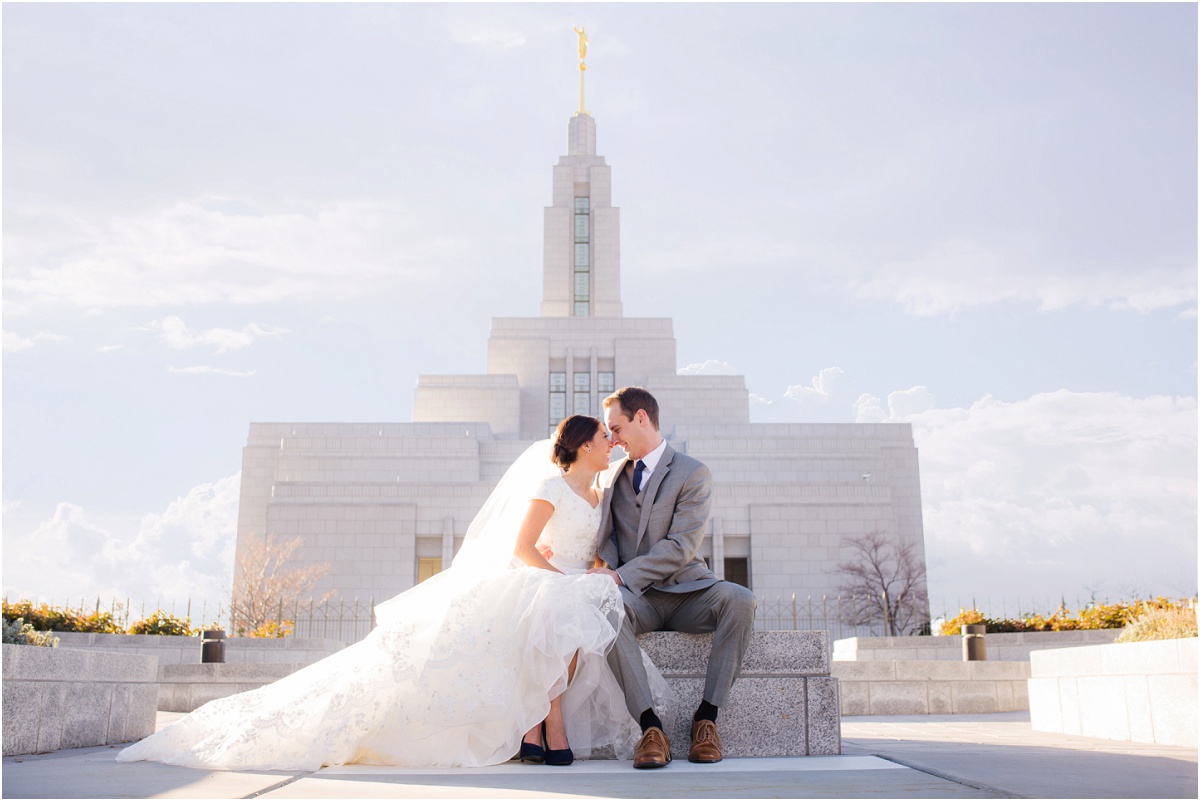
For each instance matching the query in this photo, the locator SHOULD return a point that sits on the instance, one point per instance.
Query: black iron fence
(348, 620)
(805, 613)
(334, 619)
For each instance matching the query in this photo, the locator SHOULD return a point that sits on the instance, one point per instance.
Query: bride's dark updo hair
(571, 435)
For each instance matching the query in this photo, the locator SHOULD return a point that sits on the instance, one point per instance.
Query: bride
(488, 657)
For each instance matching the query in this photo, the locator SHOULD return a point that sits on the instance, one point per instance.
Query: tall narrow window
(558, 398)
(583, 258)
(583, 393)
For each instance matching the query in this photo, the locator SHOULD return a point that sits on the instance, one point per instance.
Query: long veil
(492, 536)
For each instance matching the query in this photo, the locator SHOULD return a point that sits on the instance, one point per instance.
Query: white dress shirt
(651, 461)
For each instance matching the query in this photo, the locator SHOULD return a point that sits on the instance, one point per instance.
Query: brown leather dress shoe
(653, 750)
(706, 745)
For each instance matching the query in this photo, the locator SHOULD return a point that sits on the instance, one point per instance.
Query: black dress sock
(706, 712)
(649, 719)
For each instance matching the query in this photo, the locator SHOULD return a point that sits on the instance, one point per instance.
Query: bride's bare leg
(556, 728)
(534, 735)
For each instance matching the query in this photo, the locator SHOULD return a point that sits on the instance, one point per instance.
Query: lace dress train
(458, 669)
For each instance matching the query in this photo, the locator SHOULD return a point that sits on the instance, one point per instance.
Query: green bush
(1161, 624)
(162, 623)
(18, 632)
(50, 618)
(1096, 616)
(277, 629)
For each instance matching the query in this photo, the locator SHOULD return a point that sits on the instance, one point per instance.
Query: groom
(656, 505)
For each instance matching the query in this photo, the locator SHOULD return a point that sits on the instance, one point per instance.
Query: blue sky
(978, 219)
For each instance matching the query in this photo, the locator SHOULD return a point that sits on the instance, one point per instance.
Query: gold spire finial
(583, 43)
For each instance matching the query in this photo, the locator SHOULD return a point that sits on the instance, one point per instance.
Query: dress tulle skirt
(458, 669)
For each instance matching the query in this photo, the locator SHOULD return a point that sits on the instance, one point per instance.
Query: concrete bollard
(212, 647)
(974, 644)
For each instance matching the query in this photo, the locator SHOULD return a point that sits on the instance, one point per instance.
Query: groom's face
(629, 435)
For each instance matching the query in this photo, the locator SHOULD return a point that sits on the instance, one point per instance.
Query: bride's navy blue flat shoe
(563, 756)
(532, 753)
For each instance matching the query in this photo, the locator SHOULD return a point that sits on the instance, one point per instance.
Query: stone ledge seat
(783, 703)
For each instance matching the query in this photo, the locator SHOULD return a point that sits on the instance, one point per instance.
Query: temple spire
(583, 43)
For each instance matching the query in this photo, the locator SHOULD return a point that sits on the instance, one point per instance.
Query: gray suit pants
(725, 608)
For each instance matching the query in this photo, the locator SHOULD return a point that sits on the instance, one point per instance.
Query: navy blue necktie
(637, 475)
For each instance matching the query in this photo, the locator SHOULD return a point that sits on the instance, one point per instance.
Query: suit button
(639, 504)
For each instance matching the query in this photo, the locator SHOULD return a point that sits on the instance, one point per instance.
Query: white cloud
(15, 343)
(174, 333)
(905, 403)
(709, 367)
(829, 383)
(1056, 493)
(959, 273)
(827, 398)
(206, 370)
(109, 348)
(867, 409)
(209, 250)
(186, 551)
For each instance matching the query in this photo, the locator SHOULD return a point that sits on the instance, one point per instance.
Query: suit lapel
(651, 492)
(608, 481)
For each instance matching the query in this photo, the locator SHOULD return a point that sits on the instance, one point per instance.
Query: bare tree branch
(886, 582)
(264, 588)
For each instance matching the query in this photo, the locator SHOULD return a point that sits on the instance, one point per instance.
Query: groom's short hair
(632, 399)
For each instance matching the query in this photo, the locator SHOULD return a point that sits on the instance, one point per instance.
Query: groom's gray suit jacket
(663, 552)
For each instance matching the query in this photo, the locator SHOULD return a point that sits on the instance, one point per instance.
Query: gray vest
(626, 514)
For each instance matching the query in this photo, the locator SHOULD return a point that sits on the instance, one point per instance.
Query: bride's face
(601, 447)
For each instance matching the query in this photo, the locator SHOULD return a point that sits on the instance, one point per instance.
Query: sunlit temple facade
(387, 504)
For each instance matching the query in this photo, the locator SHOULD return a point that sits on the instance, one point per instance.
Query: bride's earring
(589, 448)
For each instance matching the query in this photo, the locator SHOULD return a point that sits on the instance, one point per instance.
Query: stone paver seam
(280, 784)
(807, 715)
(950, 778)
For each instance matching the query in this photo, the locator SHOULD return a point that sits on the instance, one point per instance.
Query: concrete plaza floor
(903, 756)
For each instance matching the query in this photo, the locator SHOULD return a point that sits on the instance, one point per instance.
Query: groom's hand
(605, 571)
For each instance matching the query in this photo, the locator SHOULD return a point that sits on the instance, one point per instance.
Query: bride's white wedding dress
(457, 669)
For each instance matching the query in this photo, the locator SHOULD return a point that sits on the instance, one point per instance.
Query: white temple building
(387, 504)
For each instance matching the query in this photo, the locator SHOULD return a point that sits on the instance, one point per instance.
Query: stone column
(594, 386)
(447, 542)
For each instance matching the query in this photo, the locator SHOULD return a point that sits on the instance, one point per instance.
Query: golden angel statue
(583, 41)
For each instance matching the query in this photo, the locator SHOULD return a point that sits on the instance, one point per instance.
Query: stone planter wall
(61, 698)
(172, 650)
(1139, 691)
(931, 687)
(784, 702)
(1000, 647)
(183, 688)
